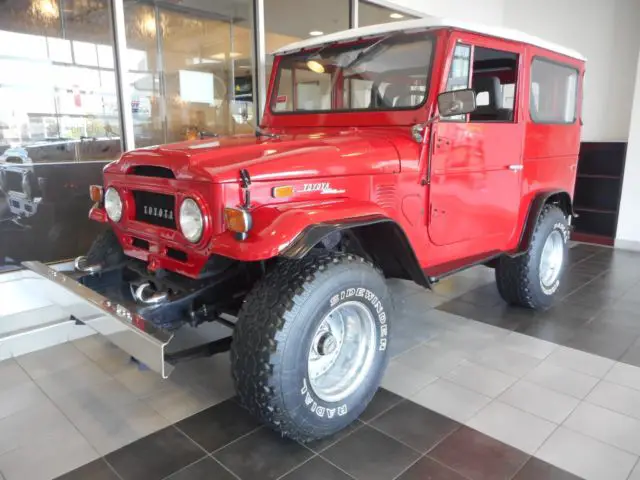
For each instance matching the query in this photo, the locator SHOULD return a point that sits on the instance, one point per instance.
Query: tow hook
(81, 264)
(146, 294)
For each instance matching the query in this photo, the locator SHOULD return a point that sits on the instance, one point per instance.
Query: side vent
(151, 171)
(385, 196)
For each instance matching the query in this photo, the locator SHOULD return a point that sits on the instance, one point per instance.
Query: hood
(349, 152)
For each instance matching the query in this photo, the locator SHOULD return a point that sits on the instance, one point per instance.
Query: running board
(126, 329)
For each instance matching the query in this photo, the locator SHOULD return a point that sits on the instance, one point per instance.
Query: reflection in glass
(370, 14)
(320, 18)
(184, 66)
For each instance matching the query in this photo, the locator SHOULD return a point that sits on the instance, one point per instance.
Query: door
(475, 178)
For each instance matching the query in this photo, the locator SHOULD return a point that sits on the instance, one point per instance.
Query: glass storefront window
(371, 14)
(317, 18)
(59, 124)
(184, 67)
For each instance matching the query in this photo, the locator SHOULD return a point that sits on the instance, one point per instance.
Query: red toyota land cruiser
(408, 150)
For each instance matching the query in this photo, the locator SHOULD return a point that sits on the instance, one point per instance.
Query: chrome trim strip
(126, 329)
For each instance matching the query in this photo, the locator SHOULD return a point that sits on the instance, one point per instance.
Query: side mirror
(456, 102)
(241, 112)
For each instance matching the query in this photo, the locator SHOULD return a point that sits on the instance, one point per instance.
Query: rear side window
(554, 91)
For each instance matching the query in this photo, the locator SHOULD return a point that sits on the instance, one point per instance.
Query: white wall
(607, 33)
(629, 218)
(489, 12)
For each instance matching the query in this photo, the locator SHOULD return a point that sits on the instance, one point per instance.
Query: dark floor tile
(567, 314)
(536, 469)
(96, 470)
(612, 344)
(219, 425)
(368, 454)
(428, 469)
(478, 456)
(317, 469)
(205, 469)
(548, 330)
(484, 296)
(632, 355)
(320, 445)
(383, 400)
(619, 318)
(262, 455)
(156, 456)
(415, 425)
(588, 299)
(500, 315)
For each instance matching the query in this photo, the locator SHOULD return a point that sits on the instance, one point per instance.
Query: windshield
(390, 73)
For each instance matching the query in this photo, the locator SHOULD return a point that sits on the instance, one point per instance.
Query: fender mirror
(456, 102)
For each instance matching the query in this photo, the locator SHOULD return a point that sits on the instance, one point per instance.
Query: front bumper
(119, 323)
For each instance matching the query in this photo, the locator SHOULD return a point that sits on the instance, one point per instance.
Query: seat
(492, 111)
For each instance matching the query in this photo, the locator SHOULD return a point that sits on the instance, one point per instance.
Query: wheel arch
(561, 198)
(369, 237)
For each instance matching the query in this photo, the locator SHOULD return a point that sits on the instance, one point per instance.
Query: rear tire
(309, 347)
(532, 279)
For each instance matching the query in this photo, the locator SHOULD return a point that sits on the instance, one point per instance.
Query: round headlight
(191, 220)
(113, 204)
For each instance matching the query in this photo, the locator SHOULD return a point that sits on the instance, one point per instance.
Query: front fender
(290, 230)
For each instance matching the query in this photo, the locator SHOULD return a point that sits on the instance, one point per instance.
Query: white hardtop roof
(429, 23)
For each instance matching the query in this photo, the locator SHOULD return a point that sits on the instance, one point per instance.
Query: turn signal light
(95, 193)
(237, 219)
(282, 192)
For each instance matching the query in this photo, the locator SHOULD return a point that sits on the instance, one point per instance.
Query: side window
(554, 91)
(495, 77)
(459, 74)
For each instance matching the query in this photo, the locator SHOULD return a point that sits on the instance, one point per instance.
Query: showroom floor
(475, 390)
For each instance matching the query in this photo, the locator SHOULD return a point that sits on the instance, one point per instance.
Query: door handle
(516, 168)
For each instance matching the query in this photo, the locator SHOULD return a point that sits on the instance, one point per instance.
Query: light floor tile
(41, 421)
(585, 456)
(616, 397)
(20, 397)
(108, 429)
(534, 347)
(436, 361)
(480, 379)
(12, 374)
(562, 380)
(583, 362)
(540, 401)
(53, 359)
(624, 374)
(451, 400)
(405, 381)
(506, 360)
(68, 380)
(176, 404)
(607, 426)
(635, 474)
(512, 426)
(47, 458)
(140, 381)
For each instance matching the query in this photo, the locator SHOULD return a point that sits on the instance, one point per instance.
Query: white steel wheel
(551, 259)
(342, 351)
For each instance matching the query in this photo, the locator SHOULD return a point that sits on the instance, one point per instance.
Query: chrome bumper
(124, 328)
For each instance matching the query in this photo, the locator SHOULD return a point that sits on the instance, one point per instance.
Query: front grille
(155, 208)
(151, 171)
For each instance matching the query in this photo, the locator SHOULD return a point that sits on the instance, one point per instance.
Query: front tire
(531, 280)
(309, 347)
